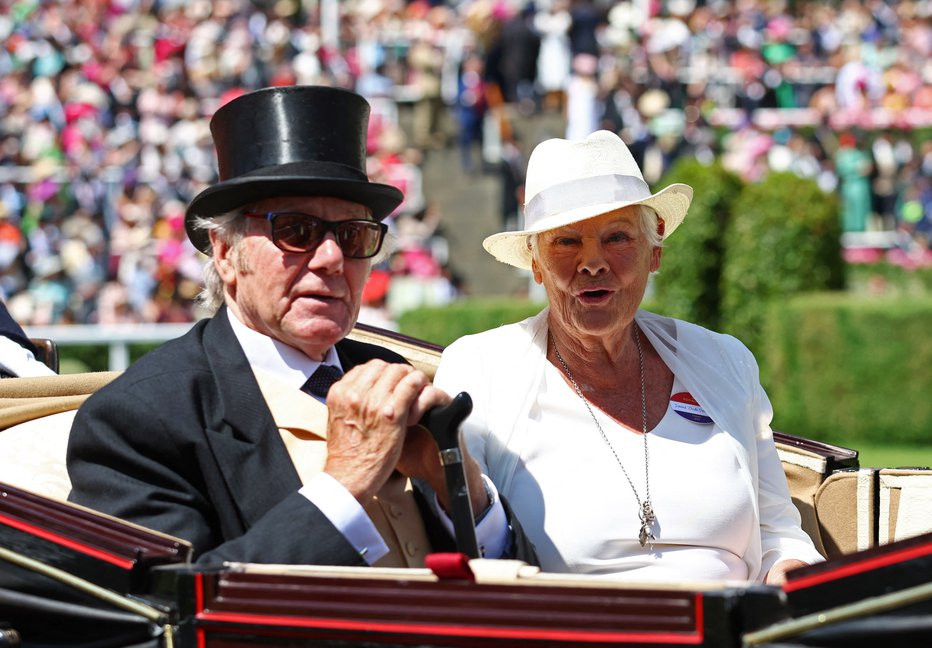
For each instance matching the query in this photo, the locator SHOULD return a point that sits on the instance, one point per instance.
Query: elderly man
(221, 437)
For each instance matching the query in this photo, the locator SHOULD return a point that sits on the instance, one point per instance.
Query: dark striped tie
(320, 381)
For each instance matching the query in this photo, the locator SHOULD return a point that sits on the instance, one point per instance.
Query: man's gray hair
(230, 228)
(648, 222)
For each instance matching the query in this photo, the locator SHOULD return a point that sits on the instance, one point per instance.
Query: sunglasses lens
(359, 239)
(297, 232)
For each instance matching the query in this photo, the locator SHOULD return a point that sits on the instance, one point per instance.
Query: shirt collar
(277, 358)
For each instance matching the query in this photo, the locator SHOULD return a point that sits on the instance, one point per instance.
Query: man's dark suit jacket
(184, 443)
(10, 328)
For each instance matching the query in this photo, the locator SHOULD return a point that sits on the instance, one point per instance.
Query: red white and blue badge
(686, 406)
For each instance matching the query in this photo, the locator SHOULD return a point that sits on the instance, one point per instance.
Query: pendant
(644, 534)
(647, 519)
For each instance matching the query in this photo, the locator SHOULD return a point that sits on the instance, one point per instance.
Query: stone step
(471, 208)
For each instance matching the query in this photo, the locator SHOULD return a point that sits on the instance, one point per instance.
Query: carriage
(70, 576)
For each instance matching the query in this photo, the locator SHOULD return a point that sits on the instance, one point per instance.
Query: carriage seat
(46, 352)
(35, 420)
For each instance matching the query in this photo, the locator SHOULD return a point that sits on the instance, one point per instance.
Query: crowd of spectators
(105, 104)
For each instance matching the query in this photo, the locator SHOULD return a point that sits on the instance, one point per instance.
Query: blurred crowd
(105, 104)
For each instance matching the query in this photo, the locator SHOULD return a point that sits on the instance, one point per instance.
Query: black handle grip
(444, 422)
(444, 425)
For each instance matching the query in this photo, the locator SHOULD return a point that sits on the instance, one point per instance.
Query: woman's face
(595, 272)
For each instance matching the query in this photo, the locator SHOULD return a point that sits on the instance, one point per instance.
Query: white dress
(590, 525)
(582, 107)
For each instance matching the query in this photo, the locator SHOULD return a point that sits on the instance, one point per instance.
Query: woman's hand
(777, 573)
(420, 459)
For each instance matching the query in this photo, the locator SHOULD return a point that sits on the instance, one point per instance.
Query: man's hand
(370, 411)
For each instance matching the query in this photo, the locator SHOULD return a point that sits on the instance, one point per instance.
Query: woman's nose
(592, 257)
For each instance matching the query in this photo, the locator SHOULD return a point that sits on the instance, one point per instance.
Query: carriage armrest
(807, 465)
(46, 352)
(835, 457)
(423, 355)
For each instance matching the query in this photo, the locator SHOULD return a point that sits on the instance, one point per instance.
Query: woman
(630, 445)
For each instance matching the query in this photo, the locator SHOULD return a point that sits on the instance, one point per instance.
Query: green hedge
(94, 357)
(688, 285)
(444, 324)
(784, 238)
(846, 369)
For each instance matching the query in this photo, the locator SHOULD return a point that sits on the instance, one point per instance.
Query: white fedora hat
(573, 180)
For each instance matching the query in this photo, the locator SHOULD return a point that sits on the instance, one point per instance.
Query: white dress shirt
(19, 361)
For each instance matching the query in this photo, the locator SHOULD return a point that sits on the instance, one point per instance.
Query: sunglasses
(297, 232)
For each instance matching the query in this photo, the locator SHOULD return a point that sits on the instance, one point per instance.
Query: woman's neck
(598, 359)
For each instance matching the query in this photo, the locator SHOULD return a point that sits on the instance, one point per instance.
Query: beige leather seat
(35, 420)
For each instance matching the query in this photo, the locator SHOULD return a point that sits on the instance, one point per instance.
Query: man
(210, 437)
(17, 352)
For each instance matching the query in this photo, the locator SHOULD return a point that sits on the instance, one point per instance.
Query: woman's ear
(655, 256)
(535, 269)
(657, 252)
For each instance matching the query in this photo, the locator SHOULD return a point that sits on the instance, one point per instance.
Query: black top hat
(290, 141)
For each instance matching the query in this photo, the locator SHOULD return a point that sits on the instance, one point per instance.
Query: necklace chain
(645, 510)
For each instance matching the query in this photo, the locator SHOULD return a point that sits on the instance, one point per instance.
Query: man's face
(308, 300)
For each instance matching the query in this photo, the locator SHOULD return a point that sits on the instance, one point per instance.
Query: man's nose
(328, 254)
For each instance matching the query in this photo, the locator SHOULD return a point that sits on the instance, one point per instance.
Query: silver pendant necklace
(645, 510)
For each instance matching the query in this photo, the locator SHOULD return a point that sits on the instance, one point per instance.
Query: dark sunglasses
(297, 232)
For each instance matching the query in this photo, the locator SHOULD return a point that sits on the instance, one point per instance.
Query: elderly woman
(631, 445)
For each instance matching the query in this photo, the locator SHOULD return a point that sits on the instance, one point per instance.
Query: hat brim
(671, 204)
(229, 195)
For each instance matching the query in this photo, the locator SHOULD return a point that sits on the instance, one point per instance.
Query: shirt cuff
(347, 515)
(20, 362)
(492, 531)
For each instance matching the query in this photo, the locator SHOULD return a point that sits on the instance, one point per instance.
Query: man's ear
(222, 258)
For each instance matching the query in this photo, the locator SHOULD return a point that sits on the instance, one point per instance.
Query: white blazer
(502, 369)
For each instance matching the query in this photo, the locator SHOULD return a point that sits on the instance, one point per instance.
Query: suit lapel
(243, 435)
(244, 438)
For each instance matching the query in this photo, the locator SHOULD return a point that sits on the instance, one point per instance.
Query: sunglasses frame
(328, 226)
